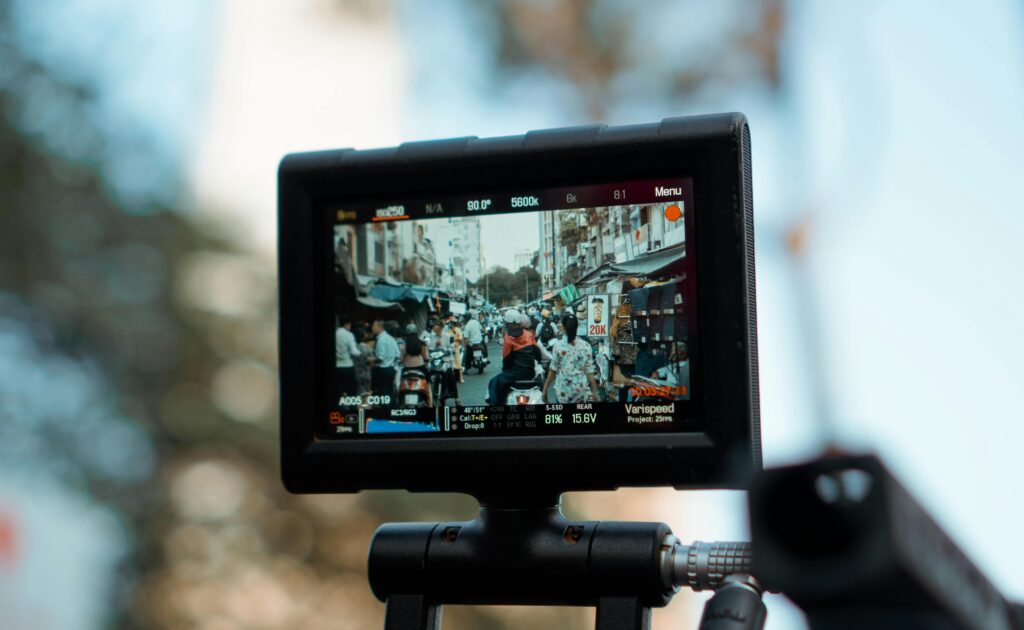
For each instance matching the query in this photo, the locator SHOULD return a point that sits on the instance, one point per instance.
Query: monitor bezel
(710, 149)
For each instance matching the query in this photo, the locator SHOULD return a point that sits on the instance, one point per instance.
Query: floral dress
(571, 363)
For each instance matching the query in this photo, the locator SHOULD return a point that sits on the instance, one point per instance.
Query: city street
(474, 390)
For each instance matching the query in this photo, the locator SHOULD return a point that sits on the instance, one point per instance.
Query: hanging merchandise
(641, 320)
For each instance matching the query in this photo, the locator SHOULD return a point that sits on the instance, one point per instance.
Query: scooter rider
(546, 331)
(528, 327)
(415, 355)
(442, 339)
(519, 353)
(474, 333)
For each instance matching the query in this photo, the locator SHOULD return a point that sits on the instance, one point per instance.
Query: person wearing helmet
(546, 331)
(519, 355)
(528, 326)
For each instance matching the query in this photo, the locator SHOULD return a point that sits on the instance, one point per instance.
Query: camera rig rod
(535, 556)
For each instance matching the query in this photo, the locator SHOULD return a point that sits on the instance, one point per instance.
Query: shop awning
(569, 293)
(662, 262)
(390, 293)
(597, 276)
(373, 302)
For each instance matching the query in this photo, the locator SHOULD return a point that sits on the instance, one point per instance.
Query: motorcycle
(525, 393)
(439, 367)
(528, 392)
(477, 359)
(414, 388)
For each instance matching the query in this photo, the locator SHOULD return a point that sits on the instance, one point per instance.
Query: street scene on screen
(563, 306)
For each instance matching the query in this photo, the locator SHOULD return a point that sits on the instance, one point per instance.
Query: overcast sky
(501, 236)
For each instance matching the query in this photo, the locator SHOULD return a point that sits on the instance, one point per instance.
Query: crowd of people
(536, 345)
(371, 355)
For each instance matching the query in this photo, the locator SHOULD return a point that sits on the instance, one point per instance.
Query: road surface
(473, 389)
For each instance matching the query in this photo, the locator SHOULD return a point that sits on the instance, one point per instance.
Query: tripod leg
(622, 613)
(411, 612)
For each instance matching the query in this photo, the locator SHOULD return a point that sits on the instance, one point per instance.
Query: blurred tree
(599, 54)
(591, 44)
(174, 322)
(506, 287)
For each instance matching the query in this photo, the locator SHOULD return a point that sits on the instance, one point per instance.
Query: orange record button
(673, 213)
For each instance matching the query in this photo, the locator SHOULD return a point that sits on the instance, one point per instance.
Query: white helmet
(512, 316)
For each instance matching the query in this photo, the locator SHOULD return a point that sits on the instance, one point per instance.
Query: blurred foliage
(602, 47)
(504, 287)
(600, 52)
(169, 415)
(178, 326)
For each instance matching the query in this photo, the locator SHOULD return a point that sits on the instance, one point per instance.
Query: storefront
(634, 314)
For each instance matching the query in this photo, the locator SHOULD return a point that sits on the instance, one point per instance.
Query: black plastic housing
(843, 539)
(714, 150)
(517, 556)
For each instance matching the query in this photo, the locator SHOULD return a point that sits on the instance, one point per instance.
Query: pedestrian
(385, 358)
(572, 367)
(346, 351)
(362, 363)
(458, 343)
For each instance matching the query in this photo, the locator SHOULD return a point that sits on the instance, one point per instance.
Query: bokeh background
(138, 151)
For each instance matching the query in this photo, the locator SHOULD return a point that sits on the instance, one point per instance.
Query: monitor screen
(566, 310)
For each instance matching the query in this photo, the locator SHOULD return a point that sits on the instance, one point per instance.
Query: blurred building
(413, 258)
(647, 231)
(458, 252)
(393, 252)
(548, 268)
(577, 242)
(523, 258)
